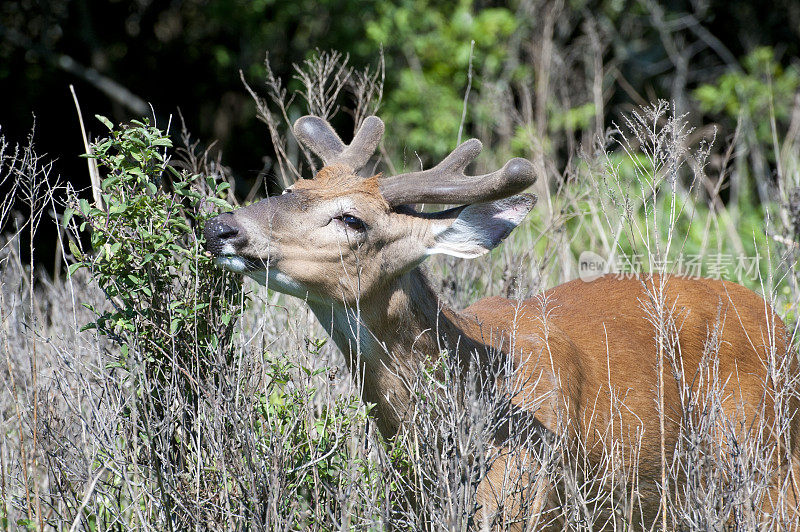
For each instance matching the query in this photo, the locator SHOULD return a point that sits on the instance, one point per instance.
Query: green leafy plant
(172, 312)
(320, 454)
(174, 321)
(169, 298)
(761, 89)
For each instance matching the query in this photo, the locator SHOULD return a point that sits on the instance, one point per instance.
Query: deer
(352, 245)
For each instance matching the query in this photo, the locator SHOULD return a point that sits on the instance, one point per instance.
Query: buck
(352, 247)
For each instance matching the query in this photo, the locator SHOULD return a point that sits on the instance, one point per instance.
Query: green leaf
(136, 171)
(67, 216)
(180, 225)
(105, 121)
(73, 248)
(164, 141)
(188, 193)
(220, 203)
(99, 149)
(73, 267)
(109, 181)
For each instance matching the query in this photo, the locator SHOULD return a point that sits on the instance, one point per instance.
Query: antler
(446, 182)
(318, 135)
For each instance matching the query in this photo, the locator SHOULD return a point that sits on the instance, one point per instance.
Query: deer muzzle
(245, 240)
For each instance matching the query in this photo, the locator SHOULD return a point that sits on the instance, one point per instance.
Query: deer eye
(353, 222)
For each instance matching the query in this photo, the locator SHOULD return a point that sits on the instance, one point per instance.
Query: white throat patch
(280, 282)
(343, 324)
(347, 330)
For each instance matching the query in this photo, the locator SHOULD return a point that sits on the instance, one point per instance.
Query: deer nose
(223, 230)
(221, 234)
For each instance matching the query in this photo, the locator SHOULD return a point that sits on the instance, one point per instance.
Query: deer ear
(480, 227)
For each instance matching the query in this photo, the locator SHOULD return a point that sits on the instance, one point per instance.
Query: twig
(104, 84)
(466, 94)
(85, 500)
(94, 174)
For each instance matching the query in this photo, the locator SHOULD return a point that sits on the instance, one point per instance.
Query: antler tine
(446, 182)
(318, 135)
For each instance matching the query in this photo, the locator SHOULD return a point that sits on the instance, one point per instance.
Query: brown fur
(601, 338)
(588, 337)
(337, 179)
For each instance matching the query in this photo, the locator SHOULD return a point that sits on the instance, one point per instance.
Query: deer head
(340, 236)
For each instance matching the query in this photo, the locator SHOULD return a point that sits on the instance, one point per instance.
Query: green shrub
(763, 88)
(148, 256)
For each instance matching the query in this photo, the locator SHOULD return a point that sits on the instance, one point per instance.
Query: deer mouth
(239, 263)
(225, 240)
(263, 273)
(233, 263)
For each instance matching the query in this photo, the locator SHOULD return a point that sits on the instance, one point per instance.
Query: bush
(148, 256)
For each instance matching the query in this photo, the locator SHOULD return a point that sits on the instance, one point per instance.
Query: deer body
(597, 349)
(353, 249)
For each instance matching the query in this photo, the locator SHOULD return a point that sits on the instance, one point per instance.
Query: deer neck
(388, 336)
